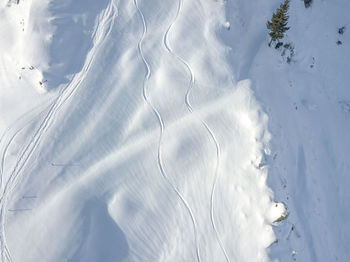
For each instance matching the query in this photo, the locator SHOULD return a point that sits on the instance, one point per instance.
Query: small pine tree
(278, 23)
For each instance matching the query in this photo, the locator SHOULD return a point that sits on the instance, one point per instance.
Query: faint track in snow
(5, 153)
(64, 94)
(21, 126)
(161, 124)
(211, 133)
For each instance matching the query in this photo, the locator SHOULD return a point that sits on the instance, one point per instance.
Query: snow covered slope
(130, 131)
(307, 102)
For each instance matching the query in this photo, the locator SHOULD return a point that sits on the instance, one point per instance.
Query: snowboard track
(162, 127)
(105, 25)
(208, 129)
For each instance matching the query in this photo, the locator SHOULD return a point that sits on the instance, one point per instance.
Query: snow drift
(132, 131)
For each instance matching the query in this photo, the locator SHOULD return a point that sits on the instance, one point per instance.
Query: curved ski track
(161, 124)
(105, 25)
(211, 133)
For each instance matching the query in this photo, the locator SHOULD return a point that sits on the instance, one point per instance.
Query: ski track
(8, 144)
(64, 94)
(211, 133)
(4, 155)
(161, 124)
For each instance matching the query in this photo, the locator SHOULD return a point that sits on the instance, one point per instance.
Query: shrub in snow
(278, 23)
(278, 45)
(307, 3)
(289, 50)
(341, 30)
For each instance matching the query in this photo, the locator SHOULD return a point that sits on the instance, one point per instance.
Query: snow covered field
(167, 130)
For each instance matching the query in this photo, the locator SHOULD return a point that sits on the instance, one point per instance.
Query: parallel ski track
(161, 124)
(211, 133)
(107, 20)
(20, 126)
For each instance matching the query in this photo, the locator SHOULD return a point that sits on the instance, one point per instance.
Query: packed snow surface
(167, 130)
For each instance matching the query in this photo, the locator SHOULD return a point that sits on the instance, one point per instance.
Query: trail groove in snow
(20, 126)
(190, 109)
(64, 94)
(161, 124)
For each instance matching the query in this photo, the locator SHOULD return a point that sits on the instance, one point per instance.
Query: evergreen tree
(278, 23)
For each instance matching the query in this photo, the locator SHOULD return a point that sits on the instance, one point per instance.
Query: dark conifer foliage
(278, 23)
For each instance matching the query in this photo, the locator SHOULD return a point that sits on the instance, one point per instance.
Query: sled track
(161, 124)
(190, 109)
(64, 94)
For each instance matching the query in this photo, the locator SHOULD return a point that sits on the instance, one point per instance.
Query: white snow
(167, 130)
(306, 102)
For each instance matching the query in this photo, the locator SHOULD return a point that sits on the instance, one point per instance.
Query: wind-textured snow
(131, 131)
